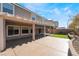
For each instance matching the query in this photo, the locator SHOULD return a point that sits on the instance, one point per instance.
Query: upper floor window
(7, 7)
(33, 17)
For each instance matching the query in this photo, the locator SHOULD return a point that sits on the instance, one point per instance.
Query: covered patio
(8, 21)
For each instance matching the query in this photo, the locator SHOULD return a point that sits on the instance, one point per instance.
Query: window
(33, 17)
(16, 31)
(39, 31)
(7, 7)
(25, 30)
(13, 30)
(31, 30)
(10, 30)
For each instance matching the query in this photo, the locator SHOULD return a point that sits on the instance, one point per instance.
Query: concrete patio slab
(52, 42)
(46, 46)
(8, 52)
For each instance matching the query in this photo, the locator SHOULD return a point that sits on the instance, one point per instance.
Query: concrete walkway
(46, 46)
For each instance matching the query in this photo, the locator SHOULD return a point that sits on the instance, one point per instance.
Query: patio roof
(15, 18)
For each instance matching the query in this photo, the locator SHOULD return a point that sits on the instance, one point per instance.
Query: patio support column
(2, 34)
(33, 34)
(44, 30)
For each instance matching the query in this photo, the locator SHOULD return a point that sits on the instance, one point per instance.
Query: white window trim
(15, 34)
(24, 33)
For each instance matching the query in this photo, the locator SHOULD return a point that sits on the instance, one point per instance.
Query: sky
(61, 12)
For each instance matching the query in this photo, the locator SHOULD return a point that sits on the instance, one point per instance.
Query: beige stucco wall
(22, 13)
(2, 35)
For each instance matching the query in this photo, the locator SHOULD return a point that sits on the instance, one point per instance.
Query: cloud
(49, 19)
(35, 5)
(66, 8)
(62, 15)
(68, 11)
(56, 11)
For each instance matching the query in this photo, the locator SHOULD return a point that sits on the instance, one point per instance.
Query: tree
(75, 22)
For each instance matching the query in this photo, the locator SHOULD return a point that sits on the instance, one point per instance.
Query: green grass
(59, 36)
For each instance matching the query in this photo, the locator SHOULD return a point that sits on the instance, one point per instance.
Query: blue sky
(61, 12)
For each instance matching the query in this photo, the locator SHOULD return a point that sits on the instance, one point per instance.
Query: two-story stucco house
(17, 22)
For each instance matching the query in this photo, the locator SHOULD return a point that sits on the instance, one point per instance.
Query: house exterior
(17, 22)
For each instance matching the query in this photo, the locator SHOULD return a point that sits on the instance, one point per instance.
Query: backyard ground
(46, 46)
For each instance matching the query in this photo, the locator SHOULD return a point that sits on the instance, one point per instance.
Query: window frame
(13, 34)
